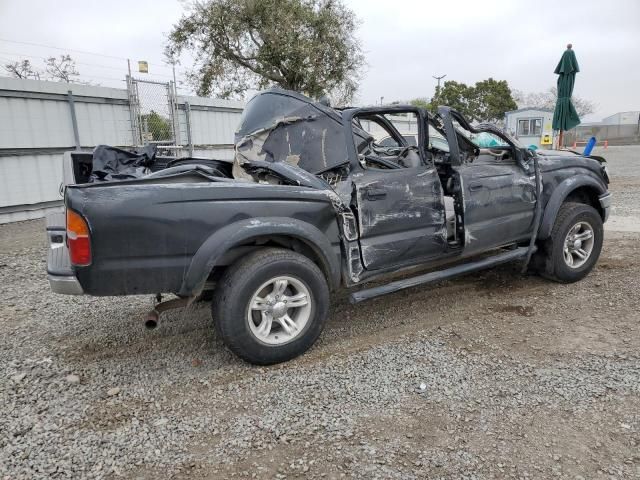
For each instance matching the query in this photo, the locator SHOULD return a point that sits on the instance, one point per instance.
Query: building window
(536, 126)
(530, 127)
(523, 127)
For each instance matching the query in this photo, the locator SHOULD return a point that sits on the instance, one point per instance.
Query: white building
(622, 118)
(530, 125)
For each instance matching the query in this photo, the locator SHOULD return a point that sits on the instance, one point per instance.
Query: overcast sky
(406, 42)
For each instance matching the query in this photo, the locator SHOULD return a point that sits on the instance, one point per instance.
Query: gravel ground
(489, 376)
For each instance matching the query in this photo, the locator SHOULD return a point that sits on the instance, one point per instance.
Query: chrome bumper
(605, 203)
(65, 285)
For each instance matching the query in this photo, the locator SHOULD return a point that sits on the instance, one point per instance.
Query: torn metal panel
(282, 126)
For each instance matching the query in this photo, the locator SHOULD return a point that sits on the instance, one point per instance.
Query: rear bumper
(605, 203)
(65, 285)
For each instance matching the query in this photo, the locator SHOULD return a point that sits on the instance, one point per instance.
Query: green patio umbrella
(565, 116)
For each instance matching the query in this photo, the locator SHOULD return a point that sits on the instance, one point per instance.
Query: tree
(63, 69)
(22, 69)
(547, 100)
(421, 102)
(303, 45)
(157, 125)
(455, 95)
(492, 98)
(486, 101)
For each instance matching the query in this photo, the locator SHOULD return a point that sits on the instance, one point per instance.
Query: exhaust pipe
(153, 317)
(152, 320)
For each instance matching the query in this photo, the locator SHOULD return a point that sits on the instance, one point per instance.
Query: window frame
(350, 113)
(530, 123)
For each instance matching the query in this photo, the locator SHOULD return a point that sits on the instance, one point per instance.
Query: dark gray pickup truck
(312, 203)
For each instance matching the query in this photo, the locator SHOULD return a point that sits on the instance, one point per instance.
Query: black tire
(550, 260)
(238, 285)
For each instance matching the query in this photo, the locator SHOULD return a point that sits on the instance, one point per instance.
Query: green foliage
(421, 102)
(486, 101)
(455, 95)
(303, 45)
(492, 99)
(158, 126)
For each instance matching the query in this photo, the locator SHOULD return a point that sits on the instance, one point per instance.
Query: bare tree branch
(22, 69)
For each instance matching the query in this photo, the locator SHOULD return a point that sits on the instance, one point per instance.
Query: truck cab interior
(446, 196)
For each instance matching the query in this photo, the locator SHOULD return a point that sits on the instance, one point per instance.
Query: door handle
(375, 193)
(475, 186)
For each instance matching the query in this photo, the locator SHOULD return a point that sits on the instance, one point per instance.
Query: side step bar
(439, 275)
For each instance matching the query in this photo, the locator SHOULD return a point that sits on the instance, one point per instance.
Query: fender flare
(560, 193)
(238, 232)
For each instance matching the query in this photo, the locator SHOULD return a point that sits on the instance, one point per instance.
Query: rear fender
(240, 232)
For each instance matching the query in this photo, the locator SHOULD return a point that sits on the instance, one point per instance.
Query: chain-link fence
(153, 107)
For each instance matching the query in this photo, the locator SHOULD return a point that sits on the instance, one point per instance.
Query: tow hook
(153, 317)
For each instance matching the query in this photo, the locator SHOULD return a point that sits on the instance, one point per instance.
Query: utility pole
(439, 78)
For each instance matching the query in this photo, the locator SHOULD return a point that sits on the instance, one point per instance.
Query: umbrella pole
(560, 138)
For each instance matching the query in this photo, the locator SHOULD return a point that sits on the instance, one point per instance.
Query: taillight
(78, 239)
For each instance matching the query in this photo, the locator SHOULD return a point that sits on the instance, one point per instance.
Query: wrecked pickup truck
(313, 203)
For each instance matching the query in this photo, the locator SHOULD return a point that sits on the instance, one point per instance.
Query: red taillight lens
(78, 239)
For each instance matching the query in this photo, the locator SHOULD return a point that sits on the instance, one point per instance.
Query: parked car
(312, 204)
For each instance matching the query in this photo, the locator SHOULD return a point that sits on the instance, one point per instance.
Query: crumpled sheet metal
(313, 143)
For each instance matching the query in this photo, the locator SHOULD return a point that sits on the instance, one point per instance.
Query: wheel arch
(288, 233)
(579, 188)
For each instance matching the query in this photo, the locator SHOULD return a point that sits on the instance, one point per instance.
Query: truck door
(498, 188)
(499, 202)
(401, 216)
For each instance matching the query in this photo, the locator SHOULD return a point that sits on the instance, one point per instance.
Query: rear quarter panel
(143, 236)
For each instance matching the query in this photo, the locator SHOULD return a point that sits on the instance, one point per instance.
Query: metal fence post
(133, 114)
(74, 120)
(187, 116)
(173, 110)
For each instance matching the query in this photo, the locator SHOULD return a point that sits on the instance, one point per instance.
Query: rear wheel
(271, 306)
(574, 245)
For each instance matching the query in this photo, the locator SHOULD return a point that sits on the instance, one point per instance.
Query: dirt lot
(522, 378)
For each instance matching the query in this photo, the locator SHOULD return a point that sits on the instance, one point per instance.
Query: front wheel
(574, 245)
(271, 306)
